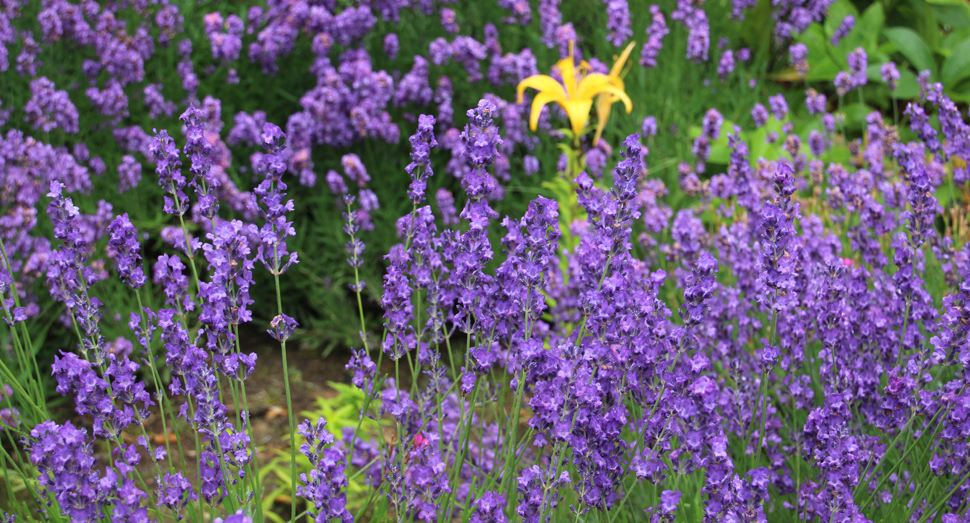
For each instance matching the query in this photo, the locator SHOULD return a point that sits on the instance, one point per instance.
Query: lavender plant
(815, 368)
(793, 384)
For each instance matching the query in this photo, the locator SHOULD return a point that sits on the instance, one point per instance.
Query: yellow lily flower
(577, 91)
(605, 101)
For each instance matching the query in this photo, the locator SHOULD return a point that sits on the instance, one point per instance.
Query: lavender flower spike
(420, 167)
(481, 141)
(168, 167)
(269, 200)
(124, 247)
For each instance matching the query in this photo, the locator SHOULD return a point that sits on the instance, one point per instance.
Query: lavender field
(485, 261)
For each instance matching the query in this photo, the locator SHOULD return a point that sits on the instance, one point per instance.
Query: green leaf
(818, 51)
(855, 115)
(907, 88)
(870, 25)
(823, 70)
(873, 72)
(928, 28)
(954, 13)
(954, 38)
(957, 66)
(913, 48)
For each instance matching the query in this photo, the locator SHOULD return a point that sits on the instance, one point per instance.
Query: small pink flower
(420, 441)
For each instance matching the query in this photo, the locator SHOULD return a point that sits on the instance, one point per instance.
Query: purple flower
(282, 327)
(168, 167)
(845, 27)
(843, 83)
(711, 126)
(530, 164)
(815, 102)
(739, 6)
(64, 458)
(858, 62)
(49, 109)
(325, 485)
(226, 297)
(269, 200)
(448, 20)
(698, 29)
(777, 231)
(481, 141)
(238, 517)
(618, 22)
(816, 142)
(123, 246)
(490, 508)
(110, 101)
(520, 8)
(798, 53)
(199, 151)
(440, 51)
(422, 141)
(550, 19)
(760, 115)
(174, 492)
(167, 272)
(779, 106)
(890, 75)
(655, 37)
(156, 103)
(129, 173)
(649, 126)
(565, 34)
(225, 36)
(446, 205)
(923, 205)
(726, 65)
(470, 52)
(391, 45)
(354, 169)
(27, 62)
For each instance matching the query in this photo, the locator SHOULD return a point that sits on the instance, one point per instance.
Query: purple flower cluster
(422, 142)
(69, 473)
(325, 483)
(698, 29)
(655, 37)
(609, 336)
(50, 109)
(618, 22)
(794, 16)
(843, 30)
(798, 54)
(574, 342)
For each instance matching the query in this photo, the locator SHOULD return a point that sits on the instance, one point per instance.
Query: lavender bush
(787, 342)
(96, 78)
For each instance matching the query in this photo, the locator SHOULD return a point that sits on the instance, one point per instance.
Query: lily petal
(621, 61)
(567, 70)
(620, 96)
(541, 99)
(592, 85)
(578, 112)
(541, 83)
(604, 105)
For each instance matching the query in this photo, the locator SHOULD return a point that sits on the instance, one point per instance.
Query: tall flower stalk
(270, 201)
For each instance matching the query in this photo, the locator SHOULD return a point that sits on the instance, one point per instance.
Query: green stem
(286, 385)
(257, 484)
(23, 326)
